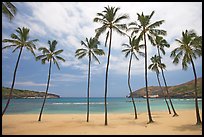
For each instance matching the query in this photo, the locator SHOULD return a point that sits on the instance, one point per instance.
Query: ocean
(77, 105)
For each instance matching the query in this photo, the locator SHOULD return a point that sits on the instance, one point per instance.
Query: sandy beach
(72, 124)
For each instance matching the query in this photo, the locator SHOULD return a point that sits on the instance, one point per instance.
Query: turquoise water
(79, 105)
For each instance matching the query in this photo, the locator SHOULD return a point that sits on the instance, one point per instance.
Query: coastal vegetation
(184, 90)
(111, 21)
(132, 49)
(91, 50)
(19, 41)
(190, 47)
(145, 28)
(19, 93)
(9, 10)
(50, 55)
(161, 43)
(156, 64)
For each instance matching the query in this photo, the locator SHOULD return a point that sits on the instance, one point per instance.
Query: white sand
(117, 124)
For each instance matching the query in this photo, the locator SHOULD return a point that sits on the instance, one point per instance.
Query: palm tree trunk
(163, 93)
(14, 77)
(106, 80)
(48, 82)
(175, 114)
(88, 89)
(196, 96)
(130, 86)
(146, 82)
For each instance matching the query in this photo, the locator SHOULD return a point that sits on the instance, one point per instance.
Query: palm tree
(91, 50)
(190, 48)
(160, 43)
(9, 10)
(131, 49)
(156, 64)
(110, 21)
(19, 41)
(50, 55)
(146, 28)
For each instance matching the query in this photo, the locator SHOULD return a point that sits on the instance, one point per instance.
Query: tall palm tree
(50, 55)
(9, 10)
(190, 47)
(161, 43)
(156, 64)
(90, 50)
(18, 41)
(111, 21)
(145, 28)
(131, 49)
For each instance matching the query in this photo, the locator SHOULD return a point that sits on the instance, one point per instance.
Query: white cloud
(68, 77)
(71, 22)
(30, 83)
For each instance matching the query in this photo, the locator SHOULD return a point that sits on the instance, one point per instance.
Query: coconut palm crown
(144, 28)
(190, 48)
(132, 49)
(91, 50)
(18, 42)
(111, 21)
(50, 55)
(9, 10)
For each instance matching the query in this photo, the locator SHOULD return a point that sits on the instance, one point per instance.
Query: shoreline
(120, 124)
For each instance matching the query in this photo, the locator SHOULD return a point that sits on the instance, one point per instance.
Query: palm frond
(9, 10)
(94, 56)
(44, 50)
(135, 56)
(44, 60)
(60, 58)
(80, 55)
(125, 16)
(100, 30)
(40, 57)
(58, 52)
(155, 24)
(119, 31)
(5, 47)
(55, 62)
(16, 49)
(99, 52)
(127, 53)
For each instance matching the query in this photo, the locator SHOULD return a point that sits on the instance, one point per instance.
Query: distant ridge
(185, 90)
(17, 93)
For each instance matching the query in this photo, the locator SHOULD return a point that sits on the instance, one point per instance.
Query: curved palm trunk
(196, 97)
(163, 93)
(48, 82)
(106, 80)
(175, 114)
(146, 84)
(14, 77)
(88, 89)
(130, 87)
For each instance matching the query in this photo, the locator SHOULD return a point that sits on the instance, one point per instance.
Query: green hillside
(185, 90)
(17, 93)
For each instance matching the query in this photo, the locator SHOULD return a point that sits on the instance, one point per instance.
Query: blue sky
(69, 23)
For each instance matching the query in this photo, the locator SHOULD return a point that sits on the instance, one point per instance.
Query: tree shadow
(189, 127)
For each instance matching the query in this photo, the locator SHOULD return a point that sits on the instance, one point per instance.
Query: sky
(70, 23)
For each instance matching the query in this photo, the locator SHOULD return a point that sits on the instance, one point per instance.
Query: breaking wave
(79, 103)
